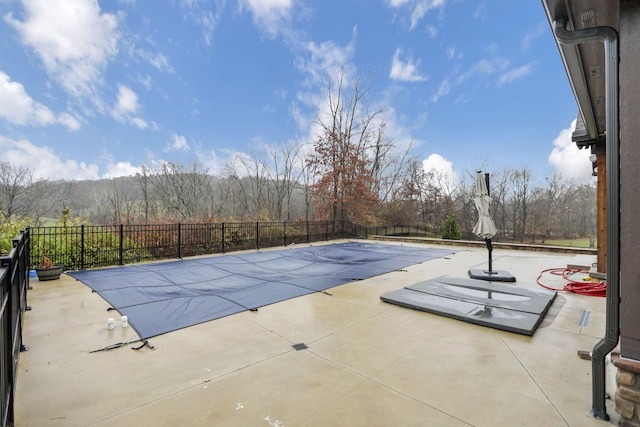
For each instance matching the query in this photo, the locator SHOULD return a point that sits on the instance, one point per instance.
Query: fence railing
(89, 246)
(14, 279)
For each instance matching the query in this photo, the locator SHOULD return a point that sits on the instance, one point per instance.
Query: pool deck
(366, 362)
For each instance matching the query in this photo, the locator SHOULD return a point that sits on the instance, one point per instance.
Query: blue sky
(95, 89)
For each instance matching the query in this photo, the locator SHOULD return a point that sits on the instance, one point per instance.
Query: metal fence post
(121, 260)
(257, 235)
(82, 247)
(222, 235)
(180, 240)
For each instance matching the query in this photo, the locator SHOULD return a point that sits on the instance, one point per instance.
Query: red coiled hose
(598, 289)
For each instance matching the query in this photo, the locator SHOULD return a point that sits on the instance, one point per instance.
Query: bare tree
(281, 170)
(345, 181)
(585, 202)
(388, 166)
(180, 190)
(23, 197)
(500, 188)
(249, 179)
(440, 190)
(15, 183)
(407, 205)
(121, 202)
(306, 176)
(465, 206)
(519, 199)
(577, 211)
(144, 185)
(547, 203)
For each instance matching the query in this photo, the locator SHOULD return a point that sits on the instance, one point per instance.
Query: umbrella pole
(490, 249)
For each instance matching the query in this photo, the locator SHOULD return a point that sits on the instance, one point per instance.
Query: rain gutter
(609, 37)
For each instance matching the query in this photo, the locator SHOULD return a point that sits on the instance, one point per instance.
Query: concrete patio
(367, 363)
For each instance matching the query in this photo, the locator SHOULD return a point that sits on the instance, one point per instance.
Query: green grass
(573, 243)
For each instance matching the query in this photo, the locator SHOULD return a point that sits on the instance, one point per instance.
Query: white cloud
(321, 62)
(117, 169)
(238, 163)
(486, 68)
(213, 163)
(515, 74)
(398, 130)
(145, 81)
(139, 123)
(406, 71)
(535, 34)
(481, 11)
(419, 8)
(127, 107)
(443, 90)
(179, 143)
(327, 59)
(127, 102)
(271, 16)
(157, 60)
(43, 162)
(398, 3)
(451, 53)
(568, 160)
(74, 40)
(69, 121)
(441, 172)
(207, 20)
(17, 107)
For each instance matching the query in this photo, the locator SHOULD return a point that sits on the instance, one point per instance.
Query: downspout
(609, 37)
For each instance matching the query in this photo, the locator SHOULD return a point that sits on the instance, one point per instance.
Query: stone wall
(628, 391)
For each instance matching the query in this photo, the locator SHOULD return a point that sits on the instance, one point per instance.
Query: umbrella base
(493, 275)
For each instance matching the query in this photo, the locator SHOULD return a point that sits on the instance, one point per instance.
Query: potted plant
(48, 271)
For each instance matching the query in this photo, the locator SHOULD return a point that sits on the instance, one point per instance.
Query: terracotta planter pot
(50, 273)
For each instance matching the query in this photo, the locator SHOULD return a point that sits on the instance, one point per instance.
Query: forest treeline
(352, 171)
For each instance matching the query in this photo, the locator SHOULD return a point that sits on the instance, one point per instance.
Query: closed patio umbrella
(486, 229)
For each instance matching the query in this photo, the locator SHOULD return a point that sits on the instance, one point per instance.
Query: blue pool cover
(161, 297)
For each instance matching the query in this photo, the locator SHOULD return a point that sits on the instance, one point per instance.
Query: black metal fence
(14, 279)
(413, 230)
(88, 246)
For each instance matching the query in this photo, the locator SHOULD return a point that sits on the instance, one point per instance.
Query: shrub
(8, 231)
(451, 229)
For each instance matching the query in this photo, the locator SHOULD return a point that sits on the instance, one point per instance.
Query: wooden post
(601, 216)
